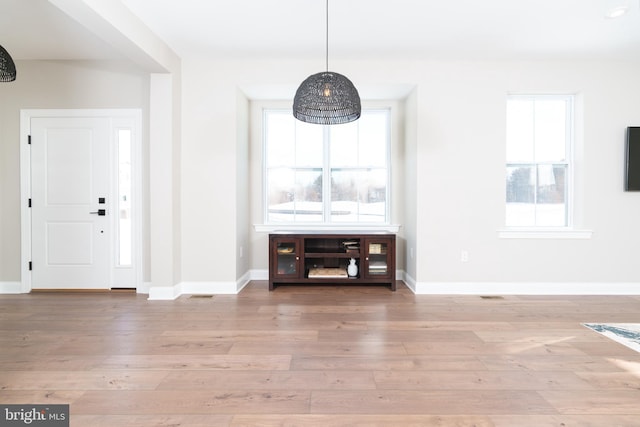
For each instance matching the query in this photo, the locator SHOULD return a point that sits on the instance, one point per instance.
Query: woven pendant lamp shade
(327, 98)
(7, 67)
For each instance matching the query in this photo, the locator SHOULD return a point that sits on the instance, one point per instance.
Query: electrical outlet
(464, 256)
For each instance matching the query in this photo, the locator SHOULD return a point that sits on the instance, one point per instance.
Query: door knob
(100, 212)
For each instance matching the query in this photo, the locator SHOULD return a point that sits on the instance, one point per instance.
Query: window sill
(326, 228)
(529, 233)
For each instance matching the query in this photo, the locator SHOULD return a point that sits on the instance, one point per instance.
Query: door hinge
(30, 265)
(29, 139)
(29, 202)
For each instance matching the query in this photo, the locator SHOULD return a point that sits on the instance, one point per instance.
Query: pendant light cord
(327, 37)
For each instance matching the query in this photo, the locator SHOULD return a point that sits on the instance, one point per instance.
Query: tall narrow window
(326, 174)
(538, 169)
(124, 198)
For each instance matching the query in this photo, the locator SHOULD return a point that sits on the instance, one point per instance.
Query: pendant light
(327, 98)
(7, 66)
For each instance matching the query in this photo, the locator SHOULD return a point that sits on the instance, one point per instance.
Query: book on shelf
(375, 248)
(351, 247)
(378, 267)
(328, 273)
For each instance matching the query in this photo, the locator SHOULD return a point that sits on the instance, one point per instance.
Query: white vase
(352, 268)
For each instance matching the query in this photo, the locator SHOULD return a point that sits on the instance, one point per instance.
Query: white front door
(71, 203)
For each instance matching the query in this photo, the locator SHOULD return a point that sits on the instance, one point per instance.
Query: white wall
(209, 179)
(164, 188)
(455, 189)
(461, 174)
(453, 168)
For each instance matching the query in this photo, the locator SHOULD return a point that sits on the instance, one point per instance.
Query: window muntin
(538, 170)
(327, 174)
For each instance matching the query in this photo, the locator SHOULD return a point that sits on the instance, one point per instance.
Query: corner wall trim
(12, 288)
(144, 288)
(163, 293)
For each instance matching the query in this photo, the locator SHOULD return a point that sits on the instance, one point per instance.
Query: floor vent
(201, 296)
(491, 297)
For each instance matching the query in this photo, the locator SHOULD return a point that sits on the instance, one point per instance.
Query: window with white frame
(326, 174)
(539, 167)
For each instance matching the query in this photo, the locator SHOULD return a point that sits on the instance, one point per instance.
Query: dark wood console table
(324, 258)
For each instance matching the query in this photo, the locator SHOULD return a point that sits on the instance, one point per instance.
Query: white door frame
(134, 116)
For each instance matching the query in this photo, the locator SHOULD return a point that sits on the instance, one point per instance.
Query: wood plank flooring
(320, 356)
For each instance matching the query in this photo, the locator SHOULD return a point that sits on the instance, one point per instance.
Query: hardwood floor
(320, 356)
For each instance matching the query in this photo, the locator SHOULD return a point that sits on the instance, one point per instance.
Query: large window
(539, 170)
(326, 174)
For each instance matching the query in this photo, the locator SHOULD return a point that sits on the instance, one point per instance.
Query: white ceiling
(430, 29)
(35, 29)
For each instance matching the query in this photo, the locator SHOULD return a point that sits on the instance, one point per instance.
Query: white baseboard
(198, 288)
(523, 288)
(160, 293)
(410, 282)
(262, 274)
(208, 288)
(144, 288)
(11, 288)
(419, 288)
